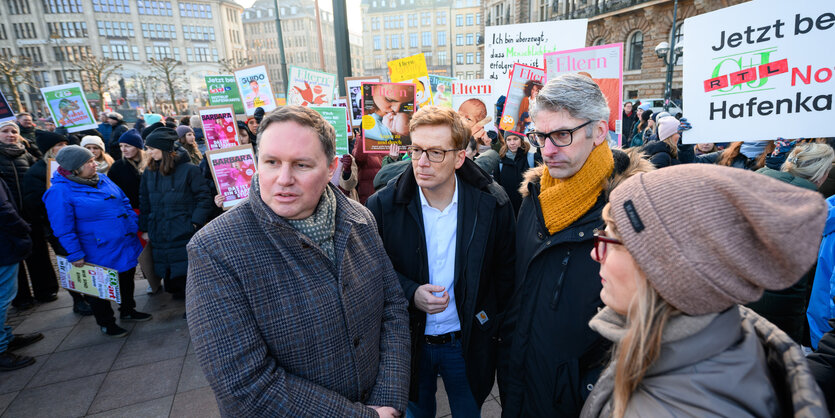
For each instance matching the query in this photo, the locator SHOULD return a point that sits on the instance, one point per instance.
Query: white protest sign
(526, 43)
(757, 71)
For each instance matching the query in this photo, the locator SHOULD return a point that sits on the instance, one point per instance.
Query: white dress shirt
(440, 227)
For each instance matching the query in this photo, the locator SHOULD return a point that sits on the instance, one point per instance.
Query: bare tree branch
(16, 70)
(231, 64)
(98, 71)
(168, 71)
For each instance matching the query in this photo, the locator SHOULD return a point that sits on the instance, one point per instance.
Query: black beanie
(151, 128)
(46, 140)
(162, 139)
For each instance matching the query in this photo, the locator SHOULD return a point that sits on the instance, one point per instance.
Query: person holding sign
(293, 306)
(94, 222)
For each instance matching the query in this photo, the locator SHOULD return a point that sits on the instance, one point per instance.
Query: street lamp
(670, 52)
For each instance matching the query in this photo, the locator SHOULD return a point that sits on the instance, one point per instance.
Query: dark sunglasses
(600, 243)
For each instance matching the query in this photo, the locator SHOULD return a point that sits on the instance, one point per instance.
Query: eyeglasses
(560, 137)
(601, 241)
(434, 155)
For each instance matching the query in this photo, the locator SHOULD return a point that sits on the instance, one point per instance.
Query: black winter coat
(171, 209)
(509, 175)
(549, 358)
(34, 187)
(113, 142)
(15, 244)
(127, 177)
(660, 154)
(484, 259)
(12, 170)
(822, 365)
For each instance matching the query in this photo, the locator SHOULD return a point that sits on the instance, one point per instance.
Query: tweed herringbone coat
(280, 330)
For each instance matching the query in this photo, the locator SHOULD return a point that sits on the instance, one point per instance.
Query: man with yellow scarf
(549, 358)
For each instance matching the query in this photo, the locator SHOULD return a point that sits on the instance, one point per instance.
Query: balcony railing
(599, 7)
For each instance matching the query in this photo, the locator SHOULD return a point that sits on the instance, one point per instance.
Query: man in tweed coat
(292, 304)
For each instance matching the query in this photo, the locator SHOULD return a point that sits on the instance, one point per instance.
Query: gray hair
(578, 95)
(195, 122)
(809, 161)
(306, 117)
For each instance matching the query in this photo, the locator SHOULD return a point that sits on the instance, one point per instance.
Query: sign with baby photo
(387, 109)
(232, 171)
(470, 99)
(441, 90)
(68, 107)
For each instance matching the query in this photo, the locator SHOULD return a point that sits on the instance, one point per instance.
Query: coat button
(539, 234)
(590, 387)
(581, 234)
(356, 341)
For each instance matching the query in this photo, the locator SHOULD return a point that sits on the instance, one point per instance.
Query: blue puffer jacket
(93, 223)
(821, 304)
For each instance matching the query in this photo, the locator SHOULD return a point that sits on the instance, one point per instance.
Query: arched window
(635, 50)
(678, 37)
(598, 42)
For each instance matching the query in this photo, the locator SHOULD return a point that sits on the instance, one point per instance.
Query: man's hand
(218, 202)
(145, 236)
(429, 303)
(386, 411)
(78, 263)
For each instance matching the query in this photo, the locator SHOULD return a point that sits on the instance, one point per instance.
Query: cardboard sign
(223, 91)
(6, 112)
(757, 71)
(387, 109)
(232, 171)
(525, 83)
(335, 115)
(413, 70)
(472, 100)
(219, 127)
(89, 279)
(310, 87)
(441, 90)
(68, 107)
(254, 84)
(526, 43)
(353, 88)
(52, 168)
(604, 65)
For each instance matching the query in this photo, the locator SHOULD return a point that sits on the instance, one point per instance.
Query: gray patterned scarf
(321, 225)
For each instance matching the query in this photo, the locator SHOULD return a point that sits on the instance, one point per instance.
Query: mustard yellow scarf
(564, 201)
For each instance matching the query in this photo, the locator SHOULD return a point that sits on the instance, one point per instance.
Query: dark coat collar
(405, 186)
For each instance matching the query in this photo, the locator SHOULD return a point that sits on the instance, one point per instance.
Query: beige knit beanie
(708, 237)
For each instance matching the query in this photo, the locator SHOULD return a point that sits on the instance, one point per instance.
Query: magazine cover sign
(6, 112)
(254, 84)
(219, 127)
(69, 107)
(310, 87)
(353, 87)
(413, 70)
(760, 71)
(387, 110)
(525, 83)
(232, 169)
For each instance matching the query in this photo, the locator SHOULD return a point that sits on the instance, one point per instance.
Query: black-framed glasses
(601, 241)
(560, 137)
(434, 155)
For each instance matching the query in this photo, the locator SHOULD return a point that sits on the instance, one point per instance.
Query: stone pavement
(150, 373)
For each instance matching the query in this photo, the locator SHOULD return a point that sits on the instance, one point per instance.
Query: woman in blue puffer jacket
(94, 222)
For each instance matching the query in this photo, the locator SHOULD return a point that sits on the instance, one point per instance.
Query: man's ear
(600, 132)
(332, 166)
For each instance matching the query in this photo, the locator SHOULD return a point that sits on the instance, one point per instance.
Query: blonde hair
(810, 161)
(641, 345)
(442, 116)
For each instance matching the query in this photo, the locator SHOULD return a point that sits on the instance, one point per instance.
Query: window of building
(413, 20)
(68, 29)
(440, 18)
(635, 50)
(469, 19)
(469, 39)
(115, 29)
(442, 38)
(111, 6)
(24, 30)
(32, 52)
(459, 39)
(70, 53)
(18, 7)
(426, 18)
(198, 10)
(478, 19)
(442, 58)
(469, 58)
(3, 35)
(61, 6)
(459, 20)
(413, 40)
(599, 41)
(426, 38)
(459, 59)
(478, 57)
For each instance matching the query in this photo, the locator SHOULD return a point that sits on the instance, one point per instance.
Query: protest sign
(353, 88)
(756, 71)
(472, 100)
(413, 70)
(343, 103)
(525, 43)
(441, 90)
(525, 83)
(254, 85)
(310, 87)
(387, 109)
(232, 170)
(335, 115)
(6, 112)
(51, 169)
(604, 65)
(219, 127)
(223, 91)
(90, 279)
(69, 107)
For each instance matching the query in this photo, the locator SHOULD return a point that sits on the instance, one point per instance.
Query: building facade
(639, 24)
(448, 33)
(56, 34)
(301, 39)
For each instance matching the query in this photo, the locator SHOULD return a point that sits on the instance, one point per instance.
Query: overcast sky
(354, 15)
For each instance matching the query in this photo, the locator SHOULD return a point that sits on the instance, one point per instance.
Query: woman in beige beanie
(672, 287)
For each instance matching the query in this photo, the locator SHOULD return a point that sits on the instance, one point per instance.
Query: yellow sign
(413, 70)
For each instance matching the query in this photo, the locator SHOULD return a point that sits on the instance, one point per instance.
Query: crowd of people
(345, 285)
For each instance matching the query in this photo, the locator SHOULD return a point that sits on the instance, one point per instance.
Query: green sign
(338, 118)
(223, 91)
(68, 107)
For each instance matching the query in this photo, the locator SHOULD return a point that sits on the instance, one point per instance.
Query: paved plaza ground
(150, 373)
